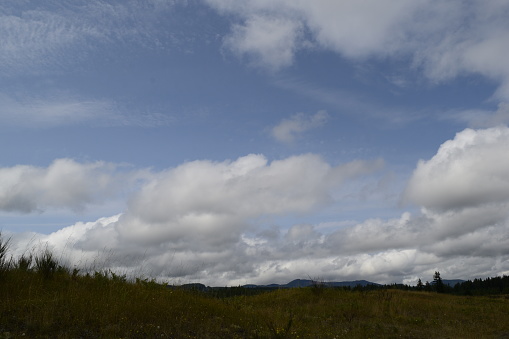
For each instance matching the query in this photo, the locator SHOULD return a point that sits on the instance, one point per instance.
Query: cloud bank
(204, 221)
(198, 213)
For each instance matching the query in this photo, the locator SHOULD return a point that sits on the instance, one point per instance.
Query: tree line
(488, 286)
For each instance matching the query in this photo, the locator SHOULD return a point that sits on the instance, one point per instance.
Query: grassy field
(42, 300)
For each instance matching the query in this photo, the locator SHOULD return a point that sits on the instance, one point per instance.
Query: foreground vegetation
(41, 299)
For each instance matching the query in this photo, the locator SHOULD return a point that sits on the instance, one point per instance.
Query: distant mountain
(306, 283)
(309, 282)
(452, 282)
(354, 283)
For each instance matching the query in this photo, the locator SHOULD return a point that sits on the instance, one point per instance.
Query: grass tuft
(24, 262)
(46, 264)
(5, 261)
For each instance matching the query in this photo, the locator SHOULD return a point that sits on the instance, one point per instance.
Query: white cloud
(63, 184)
(349, 27)
(201, 204)
(443, 38)
(357, 29)
(470, 170)
(288, 129)
(198, 221)
(196, 215)
(269, 41)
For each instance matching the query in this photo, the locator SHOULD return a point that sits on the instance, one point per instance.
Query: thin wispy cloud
(482, 118)
(55, 110)
(289, 129)
(56, 36)
(349, 103)
(45, 45)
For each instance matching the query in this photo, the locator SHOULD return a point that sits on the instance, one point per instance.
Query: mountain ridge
(309, 282)
(296, 283)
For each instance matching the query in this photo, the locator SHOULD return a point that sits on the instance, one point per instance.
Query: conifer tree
(438, 283)
(420, 285)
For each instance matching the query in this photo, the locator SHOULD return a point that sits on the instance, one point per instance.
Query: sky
(230, 142)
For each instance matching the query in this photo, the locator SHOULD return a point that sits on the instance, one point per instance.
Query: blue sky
(233, 142)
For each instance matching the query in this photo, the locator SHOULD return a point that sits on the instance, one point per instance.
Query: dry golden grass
(72, 306)
(41, 299)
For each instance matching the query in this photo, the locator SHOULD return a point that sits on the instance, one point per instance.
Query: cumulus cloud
(200, 221)
(352, 28)
(288, 129)
(197, 215)
(203, 204)
(65, 183)
(443, 38)
(468, 171)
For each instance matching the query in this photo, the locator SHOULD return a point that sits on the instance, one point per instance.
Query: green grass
(41, 299)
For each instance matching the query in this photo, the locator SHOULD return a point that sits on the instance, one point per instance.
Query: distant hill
(307, 282)
(452, 282)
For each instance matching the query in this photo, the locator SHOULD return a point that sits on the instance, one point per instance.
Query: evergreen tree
(420, 285)
(438, 283)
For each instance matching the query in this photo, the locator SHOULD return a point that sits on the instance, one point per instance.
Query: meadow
(39, 298)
